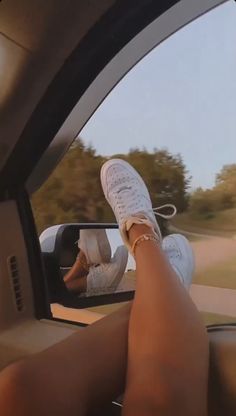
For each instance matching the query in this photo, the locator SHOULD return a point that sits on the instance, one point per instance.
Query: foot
(129, 198)
(180, 256)
(105, 278)
(95, 245)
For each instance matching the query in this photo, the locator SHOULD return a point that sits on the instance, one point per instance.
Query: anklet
(142, 238)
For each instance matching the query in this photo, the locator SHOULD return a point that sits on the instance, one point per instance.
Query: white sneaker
(129, 198)
(95, 245)
(180, 255)
(105, 278)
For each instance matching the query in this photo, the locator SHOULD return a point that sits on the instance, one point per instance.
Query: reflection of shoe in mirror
(129, 198)
(106, 277)
(180, 255)
(95, 245)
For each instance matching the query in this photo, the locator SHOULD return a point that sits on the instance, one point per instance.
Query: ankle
(82, 262)
(138, 230)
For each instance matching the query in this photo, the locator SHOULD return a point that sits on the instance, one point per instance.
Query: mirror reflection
(87, 262)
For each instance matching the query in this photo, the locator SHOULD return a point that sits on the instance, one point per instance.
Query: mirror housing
(59, 251)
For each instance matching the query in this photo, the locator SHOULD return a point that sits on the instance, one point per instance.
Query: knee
(13, 391)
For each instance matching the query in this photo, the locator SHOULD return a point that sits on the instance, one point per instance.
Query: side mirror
(59, 252)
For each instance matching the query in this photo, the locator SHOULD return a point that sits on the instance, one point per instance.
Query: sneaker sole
(98, 249)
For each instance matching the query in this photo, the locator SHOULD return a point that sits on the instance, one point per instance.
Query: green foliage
(164, 174)
(221, 197)
(73, 192)
(202, 201)
(227, 175)
(226, 186)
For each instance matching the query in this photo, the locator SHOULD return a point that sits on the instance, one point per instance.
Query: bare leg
(167, 366)
(84, 371)
(167, 344)
(76, 278)
(79, 269)
(168, 349)
(77, 285)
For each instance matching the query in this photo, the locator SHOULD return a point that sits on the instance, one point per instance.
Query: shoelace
(165, 216)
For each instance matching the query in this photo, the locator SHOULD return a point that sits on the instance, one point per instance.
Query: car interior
(58, 61)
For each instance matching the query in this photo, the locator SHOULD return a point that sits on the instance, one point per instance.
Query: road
(215, 300)
(210, 251)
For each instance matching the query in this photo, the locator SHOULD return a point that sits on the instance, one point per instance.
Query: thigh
(77, 375)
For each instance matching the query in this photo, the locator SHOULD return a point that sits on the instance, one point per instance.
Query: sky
(181, 97)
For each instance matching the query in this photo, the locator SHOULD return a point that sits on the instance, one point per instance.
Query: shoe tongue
(140, 219)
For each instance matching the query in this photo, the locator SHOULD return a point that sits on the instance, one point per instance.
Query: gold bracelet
(142, 238)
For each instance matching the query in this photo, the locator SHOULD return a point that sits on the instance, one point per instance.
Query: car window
(173, 118)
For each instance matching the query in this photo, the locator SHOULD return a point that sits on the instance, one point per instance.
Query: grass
(222, 223)
(213, 319)
(220, 275)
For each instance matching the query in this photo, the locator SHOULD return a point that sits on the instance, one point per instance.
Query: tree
(165, 176)
(226, 186)
(73, 192)
(227, 175)
(202, 202)
(222, 196)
